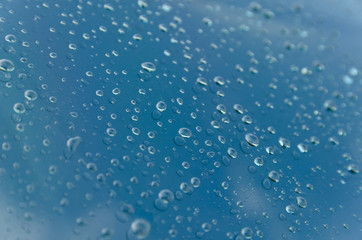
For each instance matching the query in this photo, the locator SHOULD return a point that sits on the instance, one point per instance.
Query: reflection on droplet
(252, 139)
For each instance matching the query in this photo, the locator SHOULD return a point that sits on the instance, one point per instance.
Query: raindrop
(10, 38)
(258, 161)
(302, 202)
(291, 209)
(161, 106)
(274, 176)
(19, 108)
(185, 132)
(140, 228)
(353, 168)
(148, 66)
(285, 143)
(73, 143)
(195, 181)
(247, 232)
(232, 152)
(219, 80)
(252, 139)
(6, 65)
(30, 95)
(302, 148)
(330, 106)
(238, 108)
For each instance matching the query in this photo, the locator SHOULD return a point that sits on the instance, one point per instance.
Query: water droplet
(219, 80)
(247, 232)
(353, 168)
(185, 132)
(330, 106)
(285, 143)
(291, 209)
(258, 161)
(206, 227)
(140, 228)
(274, 176)
(185, 187)
(19, 108)
(161, 106)
(201, 81)
(302, 202)
(271, 130)
(195, 181)
(302, 148)
(247, 119)
(73, 143)
(232, 152)
(148, 66)
(10, 38)
(30, 95)
(267, 183)
(6, 65)
(238, 108)
(252, 139)
(166, 195)
(221, 108)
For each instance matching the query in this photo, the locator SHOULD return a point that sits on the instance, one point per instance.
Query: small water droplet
(140, 228)
(302, 202)
(148, 66)
(161, 106)
(185, 132)
(274, 176)
(6, 65)
(252, 139)
(247, 232)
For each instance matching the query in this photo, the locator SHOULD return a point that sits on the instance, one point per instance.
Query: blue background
(293, 62)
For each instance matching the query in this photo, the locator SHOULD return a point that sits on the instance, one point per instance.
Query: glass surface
(180, 120)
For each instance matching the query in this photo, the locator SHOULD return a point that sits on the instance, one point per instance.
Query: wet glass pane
(174, 119)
